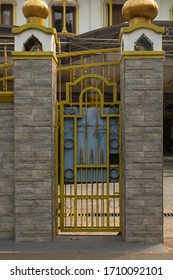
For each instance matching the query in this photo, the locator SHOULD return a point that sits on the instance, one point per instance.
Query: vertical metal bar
(71, 205)
(64, 29)
(102, 187)
(81, 192)
(62, 164)
(60, 81)
(56, 165)
(103, 74)
(114, 70)
(120, 167)
(109, 72)
(86, 151)
(92, 186)
(81, 72)
(59, 45)
(71, 79)
(108, 168)
(6, 71)
(97, 162)
(103, 89)
(114, 205)
(75, 172)
(110, 12)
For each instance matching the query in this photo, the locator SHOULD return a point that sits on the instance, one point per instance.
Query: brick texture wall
(34, 116)
(142, 127)
(6, 171)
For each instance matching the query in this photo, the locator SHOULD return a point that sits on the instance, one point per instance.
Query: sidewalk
(83, 248)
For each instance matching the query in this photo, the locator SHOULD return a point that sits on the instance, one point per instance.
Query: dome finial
(36, 11)
(139, 11)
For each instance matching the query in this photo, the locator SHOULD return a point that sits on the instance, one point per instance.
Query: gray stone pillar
(142, 128)
(34, 121)
(6, 168)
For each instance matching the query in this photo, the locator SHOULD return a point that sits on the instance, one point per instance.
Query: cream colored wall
(20, 19)
(164, 9)
(91, 13)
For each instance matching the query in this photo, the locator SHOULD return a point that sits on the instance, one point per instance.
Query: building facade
(82, 16)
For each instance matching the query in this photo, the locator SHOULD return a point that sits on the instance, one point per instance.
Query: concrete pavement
(84, 247)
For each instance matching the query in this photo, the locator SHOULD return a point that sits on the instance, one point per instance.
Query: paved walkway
(83, 247)
(100, 247)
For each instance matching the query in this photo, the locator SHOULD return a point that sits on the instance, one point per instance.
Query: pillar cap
(139, 11)
(36, 11)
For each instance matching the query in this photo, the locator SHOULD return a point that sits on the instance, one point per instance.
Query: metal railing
(6, 78)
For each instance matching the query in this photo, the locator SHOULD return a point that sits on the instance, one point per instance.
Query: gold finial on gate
(139, 11)
(85, 65)
(36, 11)
(74, 74)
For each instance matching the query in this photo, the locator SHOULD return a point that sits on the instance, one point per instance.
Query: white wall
(96, 14)
(20, 19)
(85, 16)
(91, 13)
(47, 40)
(164, 8)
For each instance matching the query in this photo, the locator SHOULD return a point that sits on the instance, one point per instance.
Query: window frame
(119, 8)
(2, 9)
(60, 8)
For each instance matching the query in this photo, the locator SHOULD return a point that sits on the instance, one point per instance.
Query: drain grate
(168, 214)
(92, 214)
(103, 214)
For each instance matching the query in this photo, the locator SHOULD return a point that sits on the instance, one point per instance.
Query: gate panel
(89, 188)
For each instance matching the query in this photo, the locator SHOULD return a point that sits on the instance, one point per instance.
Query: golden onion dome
(139, 11)
(36, 11)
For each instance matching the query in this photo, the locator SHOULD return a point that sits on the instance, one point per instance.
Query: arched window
(7, 12)
(65, 15)
(33, 44)
(143, 44)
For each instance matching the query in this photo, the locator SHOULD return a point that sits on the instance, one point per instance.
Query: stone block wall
(27, 151)
(142, 128)
(6, 171)
(34, 120)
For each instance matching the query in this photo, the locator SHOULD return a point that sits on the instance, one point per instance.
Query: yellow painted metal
(64, 17)
(6, 93)
(88, 52)
(7, 96)
(90, 202)
(28, 26)
(110, 12)
(169, 84)
(58, 205)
